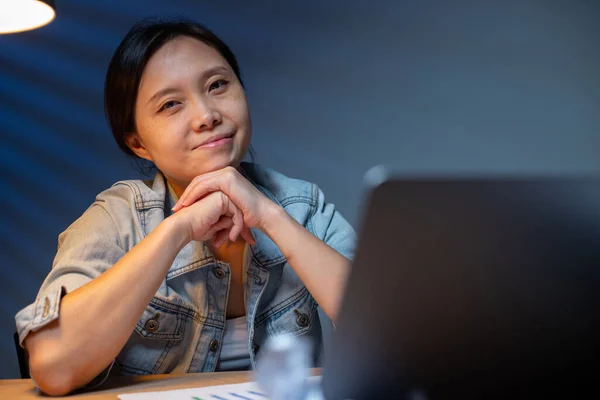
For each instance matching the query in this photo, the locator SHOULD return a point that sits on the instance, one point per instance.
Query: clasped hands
(222, 205)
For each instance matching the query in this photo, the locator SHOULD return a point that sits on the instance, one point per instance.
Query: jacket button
(219, 273)
(214, 345)
(151, 325)
(302, 319)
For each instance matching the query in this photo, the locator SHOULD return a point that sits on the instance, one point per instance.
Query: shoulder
(131, 190)
(279, 187)
(133, 194)
(120, 209)
(305, 202)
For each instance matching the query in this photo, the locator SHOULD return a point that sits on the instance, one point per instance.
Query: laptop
(471, 288)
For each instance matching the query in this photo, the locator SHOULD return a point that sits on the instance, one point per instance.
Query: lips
(215, 139)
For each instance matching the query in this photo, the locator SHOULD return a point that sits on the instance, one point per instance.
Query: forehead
(180, 58)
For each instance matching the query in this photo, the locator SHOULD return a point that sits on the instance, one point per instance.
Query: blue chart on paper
(240, 391)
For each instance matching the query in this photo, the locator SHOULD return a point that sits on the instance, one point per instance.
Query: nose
(206, 117)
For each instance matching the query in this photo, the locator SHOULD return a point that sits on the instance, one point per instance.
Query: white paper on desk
(239, 391)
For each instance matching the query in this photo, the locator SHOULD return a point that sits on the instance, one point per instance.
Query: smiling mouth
(219, 141)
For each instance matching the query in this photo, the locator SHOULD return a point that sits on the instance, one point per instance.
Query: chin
(219, 163)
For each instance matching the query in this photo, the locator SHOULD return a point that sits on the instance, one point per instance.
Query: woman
(192, 271)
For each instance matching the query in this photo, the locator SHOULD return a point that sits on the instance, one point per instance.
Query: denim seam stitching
(187, 312)
(270, 262)
(163, 356)
(189, 267)
(279, 307)
(281, 311)
(297, 199)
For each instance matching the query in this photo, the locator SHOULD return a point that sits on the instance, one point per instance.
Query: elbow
(54, 389)
(52, 378)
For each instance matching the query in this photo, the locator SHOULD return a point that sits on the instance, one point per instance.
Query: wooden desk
(24, 389)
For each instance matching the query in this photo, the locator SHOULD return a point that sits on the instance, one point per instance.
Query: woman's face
(191, 113)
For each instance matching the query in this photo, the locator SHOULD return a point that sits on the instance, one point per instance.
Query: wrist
(274, 216)
(177, 231)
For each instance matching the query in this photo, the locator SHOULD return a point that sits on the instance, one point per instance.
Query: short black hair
(129, 60)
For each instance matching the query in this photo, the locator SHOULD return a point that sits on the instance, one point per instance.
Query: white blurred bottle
(283, 368)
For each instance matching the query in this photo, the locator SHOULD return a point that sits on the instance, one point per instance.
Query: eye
(218, 84)
(168, 104)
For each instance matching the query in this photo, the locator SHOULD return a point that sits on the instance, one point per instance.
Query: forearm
(322, 269)
(97, 319)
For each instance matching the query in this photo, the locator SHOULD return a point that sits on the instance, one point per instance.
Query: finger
(191, 191)
(198, 198)
(220, 238)
(237, 217)
(224, 223)
(238, 225)
(247, 235)
(205, 184)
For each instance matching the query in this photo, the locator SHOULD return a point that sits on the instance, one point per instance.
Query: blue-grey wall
(334, 86)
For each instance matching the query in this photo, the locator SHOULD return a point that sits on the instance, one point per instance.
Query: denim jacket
(182, 327)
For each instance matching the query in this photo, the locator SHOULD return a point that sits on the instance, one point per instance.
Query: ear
(134, 142)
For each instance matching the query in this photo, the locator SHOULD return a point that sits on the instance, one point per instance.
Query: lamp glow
(24, 15)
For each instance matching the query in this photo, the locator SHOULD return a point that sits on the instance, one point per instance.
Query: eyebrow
(205, 75)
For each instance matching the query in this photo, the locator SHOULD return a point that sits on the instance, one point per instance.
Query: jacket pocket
(295, 315)
(156, 342)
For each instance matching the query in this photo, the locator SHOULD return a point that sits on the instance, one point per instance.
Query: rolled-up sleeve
(331, 227)
(86, 249)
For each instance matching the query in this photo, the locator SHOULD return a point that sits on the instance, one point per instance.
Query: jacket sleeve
(331, 227)
(86, 249)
